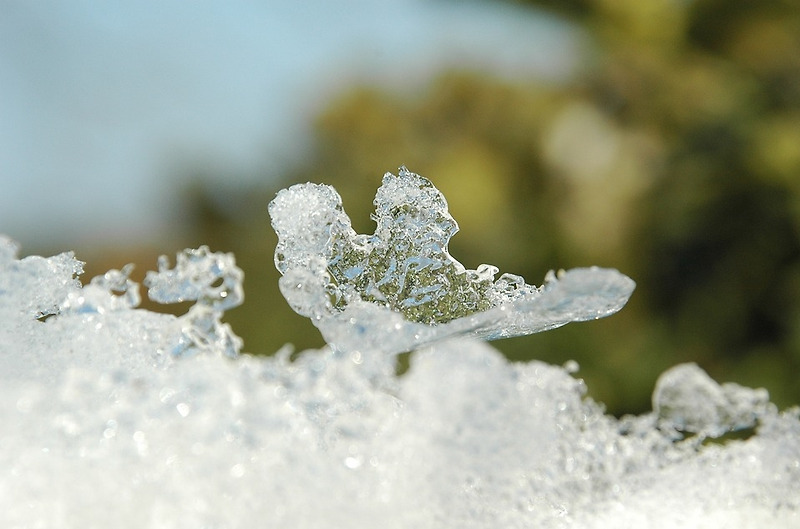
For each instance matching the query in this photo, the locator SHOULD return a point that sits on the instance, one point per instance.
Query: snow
(114, 416)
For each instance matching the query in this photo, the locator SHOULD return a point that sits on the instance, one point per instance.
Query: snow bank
(114, 416)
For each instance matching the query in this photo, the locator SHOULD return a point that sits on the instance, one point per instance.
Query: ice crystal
(213, 280)
(210, 278)
(346, 282)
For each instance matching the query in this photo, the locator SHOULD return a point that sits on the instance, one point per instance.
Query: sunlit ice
(114, 415)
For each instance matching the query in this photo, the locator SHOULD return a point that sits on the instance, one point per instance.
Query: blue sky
(103, 103)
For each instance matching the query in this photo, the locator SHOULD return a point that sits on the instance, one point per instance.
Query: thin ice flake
(403, 277)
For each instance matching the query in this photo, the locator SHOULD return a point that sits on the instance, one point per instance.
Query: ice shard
(350, 284)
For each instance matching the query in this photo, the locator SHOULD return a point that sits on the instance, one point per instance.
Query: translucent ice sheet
(350, 285)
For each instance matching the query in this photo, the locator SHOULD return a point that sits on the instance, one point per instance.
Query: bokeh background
(661, 138)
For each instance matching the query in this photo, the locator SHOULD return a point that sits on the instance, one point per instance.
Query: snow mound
(114, 416)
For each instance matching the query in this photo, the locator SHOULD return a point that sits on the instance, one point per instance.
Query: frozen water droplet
(353, 285)
(571, 366)
(183, 409)
(237, 470)
(686, 399)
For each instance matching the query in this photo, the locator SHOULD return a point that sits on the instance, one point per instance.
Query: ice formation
(351, 285)
(114, 416)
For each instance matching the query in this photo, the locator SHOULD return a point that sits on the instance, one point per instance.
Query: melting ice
(400, 288)
(114, 416)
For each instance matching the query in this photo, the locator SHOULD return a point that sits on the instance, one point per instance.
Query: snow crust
(114, 416)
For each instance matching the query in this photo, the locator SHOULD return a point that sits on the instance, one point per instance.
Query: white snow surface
(114, 416)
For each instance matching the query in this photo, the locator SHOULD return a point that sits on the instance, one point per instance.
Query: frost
(115, 416)
(350, 284)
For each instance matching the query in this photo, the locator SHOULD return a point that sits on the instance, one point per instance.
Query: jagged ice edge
(210, 279)
(314, 231)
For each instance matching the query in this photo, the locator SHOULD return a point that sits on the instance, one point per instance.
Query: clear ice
(351, 284)
(115, 416)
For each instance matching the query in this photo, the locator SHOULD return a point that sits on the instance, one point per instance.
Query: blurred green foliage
(673, 154)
